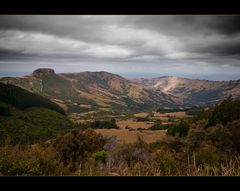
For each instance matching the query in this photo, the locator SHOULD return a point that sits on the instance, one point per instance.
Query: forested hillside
(23, 99)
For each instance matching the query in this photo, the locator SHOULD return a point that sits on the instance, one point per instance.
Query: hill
(93, 91)
(23, 99)
(27, 118)
(103, 92)
(192, 91)
(33, 125)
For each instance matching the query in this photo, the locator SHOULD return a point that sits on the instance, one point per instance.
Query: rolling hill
(192, 91)
(27, 118)
(93, 91)
(103, 92)
(22, 99)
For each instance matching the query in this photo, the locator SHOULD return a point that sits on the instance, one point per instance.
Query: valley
(135, 104)
(103, 93)
(119, 95)
(113, 124)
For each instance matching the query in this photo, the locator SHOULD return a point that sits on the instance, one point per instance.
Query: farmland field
(131, 124)
(126, 136)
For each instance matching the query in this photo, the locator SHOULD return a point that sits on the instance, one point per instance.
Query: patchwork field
(126, 136)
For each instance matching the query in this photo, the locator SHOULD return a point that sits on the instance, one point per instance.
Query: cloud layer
(125, 44)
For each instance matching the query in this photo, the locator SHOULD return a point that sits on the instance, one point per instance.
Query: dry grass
(126, 136)
(142, 115)
(105, 109)
(122, 124)
(165, 116)
(85, 106)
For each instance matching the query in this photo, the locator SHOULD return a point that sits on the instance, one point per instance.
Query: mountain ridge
(96, 89)
(92, 91)
(194, 91)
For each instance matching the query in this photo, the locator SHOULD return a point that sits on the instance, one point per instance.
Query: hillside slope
(194, 92)
(27, 118)
(22, 99)
(87, 91)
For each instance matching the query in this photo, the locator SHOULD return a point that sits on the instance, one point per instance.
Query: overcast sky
(203, 47)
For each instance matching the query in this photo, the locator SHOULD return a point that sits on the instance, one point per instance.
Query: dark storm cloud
(221, 50)
(147, 39)
(224, 29)
(66, 26)
(96, 29)
(228, 25)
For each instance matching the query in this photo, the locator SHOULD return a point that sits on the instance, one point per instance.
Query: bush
(111, 124)
(131, 153)
(142, 119)
(19, 160)
(158, 126)
(77, 145)
(209, 155)
(100, 156)
(164, 161)
(181, 128)
(235, 127)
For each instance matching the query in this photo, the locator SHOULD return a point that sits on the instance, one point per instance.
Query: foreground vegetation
(42, 141)
(88, 153)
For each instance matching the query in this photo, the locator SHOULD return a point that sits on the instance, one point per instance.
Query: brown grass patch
(142, 115)
(85, 106)
(126, 136)
(165, 116)
(122, 124)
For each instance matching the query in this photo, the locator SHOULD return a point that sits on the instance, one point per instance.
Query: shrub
(142, 119)
(26, 160)
(77, 145)
(104, 124)
(235, 127)
(181, 128)
(164, 161)
(158, 126)
(131, 153)
(209, 155)
(100, 156)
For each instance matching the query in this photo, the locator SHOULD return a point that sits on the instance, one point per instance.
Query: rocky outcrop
(43, 72)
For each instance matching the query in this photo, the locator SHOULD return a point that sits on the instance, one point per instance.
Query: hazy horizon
(133, 46)
(125, 75)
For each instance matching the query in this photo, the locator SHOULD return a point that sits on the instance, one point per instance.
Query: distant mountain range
(192, 91)
(93, 91)
(111, 93)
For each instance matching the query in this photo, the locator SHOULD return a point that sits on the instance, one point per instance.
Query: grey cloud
(145, 39)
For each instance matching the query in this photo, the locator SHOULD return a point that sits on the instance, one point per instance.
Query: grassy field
(131, 124)
(166, 116)
(142, 115)
(126, 136)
